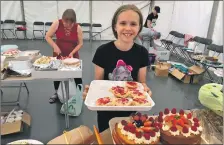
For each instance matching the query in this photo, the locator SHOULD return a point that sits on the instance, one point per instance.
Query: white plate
(100, 88)
(30, 141)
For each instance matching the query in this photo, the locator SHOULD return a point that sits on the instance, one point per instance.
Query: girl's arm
(80, 41)
(142, 79)
(99, 73)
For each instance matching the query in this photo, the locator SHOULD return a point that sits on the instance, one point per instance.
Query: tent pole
(23, 15)
(212, 23)
(91, 20)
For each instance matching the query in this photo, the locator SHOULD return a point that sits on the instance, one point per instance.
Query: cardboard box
(14, 127)
(194, 77)
(162, 69)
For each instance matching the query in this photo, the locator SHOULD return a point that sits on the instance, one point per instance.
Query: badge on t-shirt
(122, 72)
(154, 22)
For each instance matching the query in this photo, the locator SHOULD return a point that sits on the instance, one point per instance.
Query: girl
(69, 41)
(122, 59)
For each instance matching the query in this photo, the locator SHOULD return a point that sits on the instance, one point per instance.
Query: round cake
(138, 130)
(179, 128)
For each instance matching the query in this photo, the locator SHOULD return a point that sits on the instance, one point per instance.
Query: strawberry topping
(138, 134)
(166, 111)
(160, 119)
(151, 119)
(123, 122)
(147, 136)
(196, 124)
(185, 129)
(189, 115)
(181, 112)
(132, 83)
(174, 111)
(195, 120)
(160, 113)
(152, 133)
(194, 128)
(173, 128)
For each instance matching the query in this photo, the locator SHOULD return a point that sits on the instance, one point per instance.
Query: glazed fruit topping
(147, 136)
(173, 128)
(146, 129)
(189, 115)
(181, 112)
(140, 100)
(132, 83)
(104, 100)
(185, 129)
(194, 128)
(174, 111)
(147, 124)
(166, 111)
(123, 122)
(137, 92)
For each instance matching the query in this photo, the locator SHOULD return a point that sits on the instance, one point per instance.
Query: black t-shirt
(152, 18)
(121, 65)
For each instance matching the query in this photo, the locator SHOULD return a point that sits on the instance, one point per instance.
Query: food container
(100, 88)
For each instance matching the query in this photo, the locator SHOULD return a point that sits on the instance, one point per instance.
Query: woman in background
(69, 40)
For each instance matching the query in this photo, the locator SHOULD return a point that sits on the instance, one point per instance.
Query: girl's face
(127, 26)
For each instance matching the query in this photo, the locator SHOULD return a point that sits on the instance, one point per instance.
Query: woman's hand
(71, 55)
(57, 50)
(85, 92)
(147, 89)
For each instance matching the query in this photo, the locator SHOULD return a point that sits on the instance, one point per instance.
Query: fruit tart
(122, 102)
(131, 85)
(137, 94)
(140, 102)
(119, 91)
(105, 101)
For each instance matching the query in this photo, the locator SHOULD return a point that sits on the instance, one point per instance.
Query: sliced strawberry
(136, 118)
(147, 124)
(143, 118)
(146, 129)
(130, 124)
(180, 122)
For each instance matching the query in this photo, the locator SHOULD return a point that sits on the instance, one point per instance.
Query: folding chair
(86, 28)
(46, 26)
(217, 49)
(3, 34)
(176, 47)
(96, 29)
(21, 27)
(38, 27)
(168, 41)
(198, 40)
(9, 25)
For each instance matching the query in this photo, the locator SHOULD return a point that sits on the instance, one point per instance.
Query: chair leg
(16, 34)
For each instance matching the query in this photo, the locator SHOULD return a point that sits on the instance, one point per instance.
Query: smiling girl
(122, 59)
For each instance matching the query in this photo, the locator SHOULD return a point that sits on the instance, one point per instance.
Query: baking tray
(100, 88)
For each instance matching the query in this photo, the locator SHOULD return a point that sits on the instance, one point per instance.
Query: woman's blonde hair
(126, 8)
(69, 15)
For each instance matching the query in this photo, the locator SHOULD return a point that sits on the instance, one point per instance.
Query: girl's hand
(147, 89)
(85, 92)
(70, 55)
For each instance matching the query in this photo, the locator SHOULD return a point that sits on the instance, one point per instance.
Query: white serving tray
(29, 141)
(100, 88)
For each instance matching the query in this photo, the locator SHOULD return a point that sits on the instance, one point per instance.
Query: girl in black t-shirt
(122, 59)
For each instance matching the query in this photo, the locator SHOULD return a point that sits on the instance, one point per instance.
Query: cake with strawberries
(139, 129)
(179, 127)
(119, 91)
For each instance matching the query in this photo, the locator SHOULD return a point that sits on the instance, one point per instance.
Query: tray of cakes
(118, 96)
(169, 127)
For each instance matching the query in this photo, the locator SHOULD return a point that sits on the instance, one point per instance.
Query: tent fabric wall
(103, 12)
(10, 10)
(45, 11)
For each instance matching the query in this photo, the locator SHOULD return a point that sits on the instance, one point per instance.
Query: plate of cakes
(107, 95)
(169, 127)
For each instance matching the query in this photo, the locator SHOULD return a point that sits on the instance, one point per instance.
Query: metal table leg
(67, 98)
